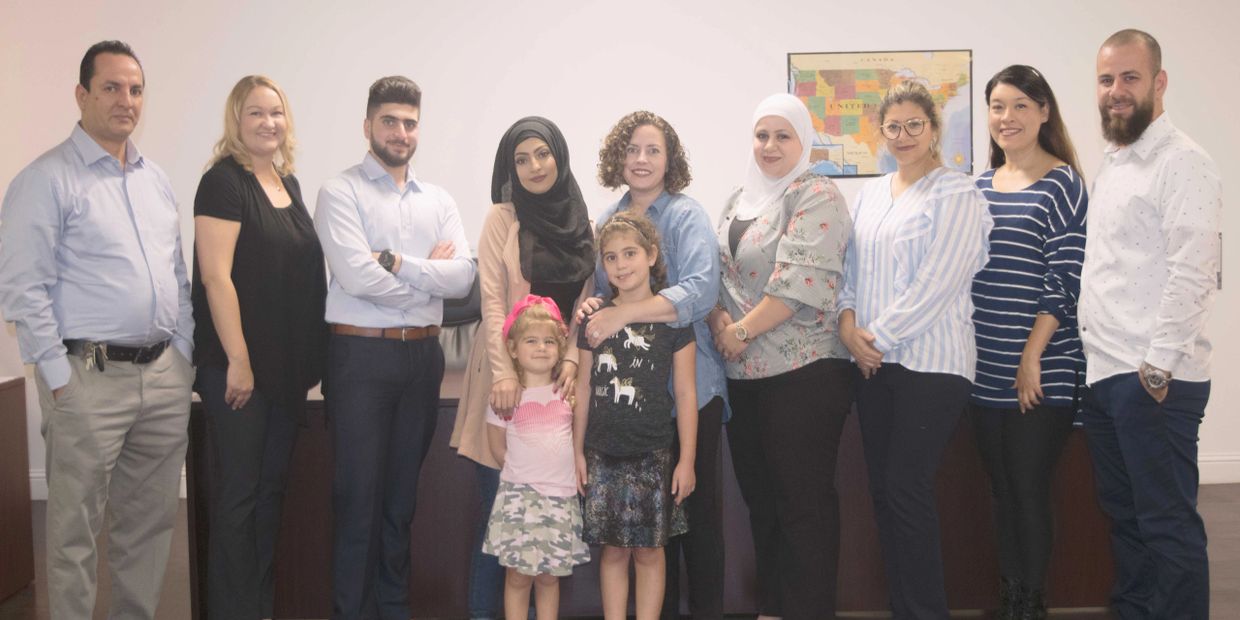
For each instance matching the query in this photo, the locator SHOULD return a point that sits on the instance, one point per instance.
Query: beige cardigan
(502, 286)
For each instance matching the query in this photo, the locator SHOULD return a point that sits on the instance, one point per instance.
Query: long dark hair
(1052, 135)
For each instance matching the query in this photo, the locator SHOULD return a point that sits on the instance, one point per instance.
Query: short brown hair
(393, 89)
(1129, 36)
(647, 237)
(611, 155)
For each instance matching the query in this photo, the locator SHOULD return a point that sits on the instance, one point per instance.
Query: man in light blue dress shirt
(92, 275)
(396, 249)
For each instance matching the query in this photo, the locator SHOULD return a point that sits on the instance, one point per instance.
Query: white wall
(701, 64)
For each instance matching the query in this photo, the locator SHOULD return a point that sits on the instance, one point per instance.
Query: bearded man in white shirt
(1147, 286)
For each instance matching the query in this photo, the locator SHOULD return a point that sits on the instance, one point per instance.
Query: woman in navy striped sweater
(1029, 357)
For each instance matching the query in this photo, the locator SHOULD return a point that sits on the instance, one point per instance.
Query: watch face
(742, 334)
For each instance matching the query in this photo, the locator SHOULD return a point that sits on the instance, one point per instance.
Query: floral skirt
(629, 500)
(534, 533)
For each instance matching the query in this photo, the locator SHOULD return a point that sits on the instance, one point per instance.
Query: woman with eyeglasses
(919, 236)
(1029, 358)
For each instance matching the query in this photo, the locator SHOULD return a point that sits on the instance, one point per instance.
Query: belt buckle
(404, 334)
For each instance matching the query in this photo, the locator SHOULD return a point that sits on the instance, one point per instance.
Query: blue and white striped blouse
(909, 267)
(1036, 251)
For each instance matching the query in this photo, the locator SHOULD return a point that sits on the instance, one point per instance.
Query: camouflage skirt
(534, 533)
(629, 500)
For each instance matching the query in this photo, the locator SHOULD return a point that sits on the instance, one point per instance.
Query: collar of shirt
(1144, 147)
(375, 173)
(91, 152)
(654, 210)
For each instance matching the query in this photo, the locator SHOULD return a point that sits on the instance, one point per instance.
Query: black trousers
(785, 436)
(249, 451)
(907, 418)
(383, 401)
(703, 545)
(1020, 451)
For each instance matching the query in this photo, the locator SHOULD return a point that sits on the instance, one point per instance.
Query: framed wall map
(843, 90)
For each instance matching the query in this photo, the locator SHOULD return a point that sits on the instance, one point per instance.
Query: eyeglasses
(913, 127)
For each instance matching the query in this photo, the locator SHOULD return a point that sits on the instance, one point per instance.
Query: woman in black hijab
(536, 240)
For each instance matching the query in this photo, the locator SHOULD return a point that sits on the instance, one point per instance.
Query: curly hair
(611, 155)
(915, 92)
(646, 235)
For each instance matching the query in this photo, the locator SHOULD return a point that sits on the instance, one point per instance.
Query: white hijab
(760, 190)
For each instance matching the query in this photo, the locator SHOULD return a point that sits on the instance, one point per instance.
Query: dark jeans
(703, 545)
(1145, 462)
(486, 576)
(382, 400)
(1020, 451)
(249, 452)
(907, 418)
(785, 435)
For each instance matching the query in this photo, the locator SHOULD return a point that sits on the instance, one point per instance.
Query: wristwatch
(387, 260)
(742, 334)
(1156, 378)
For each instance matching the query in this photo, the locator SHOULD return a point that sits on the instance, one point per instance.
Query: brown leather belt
(404, 334)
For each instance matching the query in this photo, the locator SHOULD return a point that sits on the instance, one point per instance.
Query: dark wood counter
(16, 534)
(1080, 573)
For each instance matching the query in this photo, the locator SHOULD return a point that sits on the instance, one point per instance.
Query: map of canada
(843, 92)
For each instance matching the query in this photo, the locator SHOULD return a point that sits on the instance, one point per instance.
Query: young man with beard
(1147, 286)
(396, 249)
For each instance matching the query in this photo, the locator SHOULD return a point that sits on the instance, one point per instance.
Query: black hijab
(555, 238)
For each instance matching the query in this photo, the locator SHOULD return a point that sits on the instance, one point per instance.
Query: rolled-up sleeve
(696, 291)
(809, 257)
(29, 231)
(1064, 252)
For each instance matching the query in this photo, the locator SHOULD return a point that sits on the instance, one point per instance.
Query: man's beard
(1124, 131)
(388, 158)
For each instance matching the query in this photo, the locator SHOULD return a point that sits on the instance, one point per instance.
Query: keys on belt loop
(96, 355)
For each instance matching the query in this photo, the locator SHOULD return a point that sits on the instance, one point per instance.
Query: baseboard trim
(1219, 468)
(38, 484)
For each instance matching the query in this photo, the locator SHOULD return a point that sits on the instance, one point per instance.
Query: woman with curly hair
(644, 153)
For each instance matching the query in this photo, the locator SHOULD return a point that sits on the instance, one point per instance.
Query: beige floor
(1220, 507)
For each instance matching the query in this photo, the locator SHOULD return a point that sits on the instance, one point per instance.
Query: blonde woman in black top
(260, 340)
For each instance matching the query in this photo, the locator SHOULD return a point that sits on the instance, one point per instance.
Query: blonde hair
(647, 237)
(230, 143)
(535, 315)
(915, 92)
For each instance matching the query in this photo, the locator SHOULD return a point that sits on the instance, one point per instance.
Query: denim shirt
(690, 250)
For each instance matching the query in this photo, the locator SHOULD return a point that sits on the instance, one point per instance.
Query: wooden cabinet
(16, 535)
(442, 530)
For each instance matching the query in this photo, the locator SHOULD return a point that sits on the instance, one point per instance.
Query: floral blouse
(794, 251)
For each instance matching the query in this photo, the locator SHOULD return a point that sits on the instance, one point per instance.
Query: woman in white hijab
(782, 238)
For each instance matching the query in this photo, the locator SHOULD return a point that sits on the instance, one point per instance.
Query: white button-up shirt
(361, 211)
(1151, 257)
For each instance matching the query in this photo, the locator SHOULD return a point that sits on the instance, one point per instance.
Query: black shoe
(1032, 605)
(1009, 595)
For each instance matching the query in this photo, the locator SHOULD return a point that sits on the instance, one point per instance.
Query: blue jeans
(1145, 462)
(486, 576)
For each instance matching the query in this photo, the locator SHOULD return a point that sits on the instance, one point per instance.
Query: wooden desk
(442, 530)
(16, 535)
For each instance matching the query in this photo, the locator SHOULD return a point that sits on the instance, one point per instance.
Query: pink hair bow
(531, 300)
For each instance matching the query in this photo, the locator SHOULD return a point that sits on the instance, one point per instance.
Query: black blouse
(281, 283)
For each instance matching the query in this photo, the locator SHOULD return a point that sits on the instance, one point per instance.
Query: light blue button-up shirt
(691, 253)
(361, 211)
(90, 250)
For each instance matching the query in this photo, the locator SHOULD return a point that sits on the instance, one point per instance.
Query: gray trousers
(115, 439)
